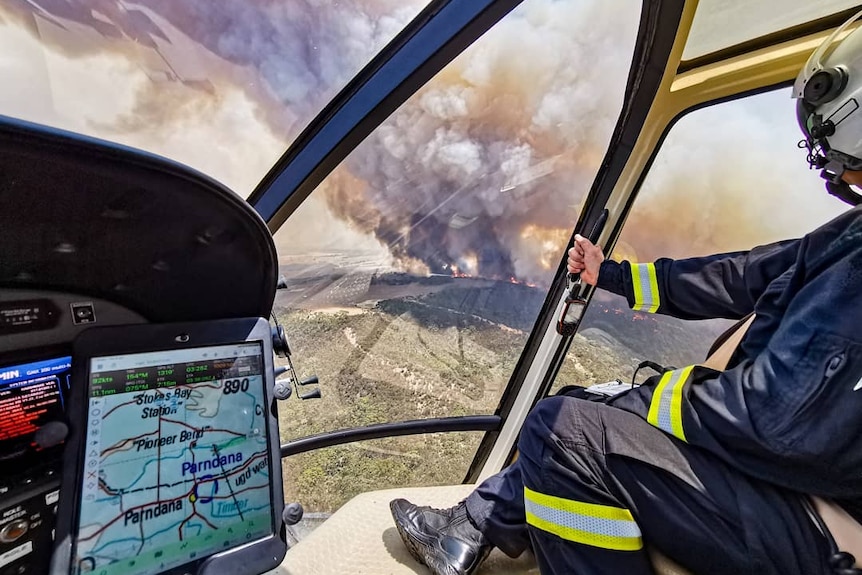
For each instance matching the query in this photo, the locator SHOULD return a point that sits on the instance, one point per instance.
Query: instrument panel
(36, 331)
(31, 397)
(34, 319)
(32, 432)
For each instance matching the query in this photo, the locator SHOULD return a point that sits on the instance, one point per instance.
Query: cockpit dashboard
(36, 331)
(93, 235)
(32, 431)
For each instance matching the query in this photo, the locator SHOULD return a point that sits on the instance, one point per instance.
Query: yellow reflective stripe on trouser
(587, 523)
(645, 284)
(665, 409)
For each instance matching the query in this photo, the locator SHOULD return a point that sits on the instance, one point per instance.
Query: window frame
(620, 222)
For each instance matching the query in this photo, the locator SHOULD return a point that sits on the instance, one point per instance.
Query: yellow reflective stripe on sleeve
(665, 409)
(645, 285)
(586, 523)
(655, 402)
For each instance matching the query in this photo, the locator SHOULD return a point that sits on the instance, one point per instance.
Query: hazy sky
(221, 86)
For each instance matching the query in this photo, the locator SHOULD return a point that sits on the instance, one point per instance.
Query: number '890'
(235, 385)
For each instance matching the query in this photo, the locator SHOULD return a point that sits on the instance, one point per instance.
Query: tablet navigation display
(176, 460)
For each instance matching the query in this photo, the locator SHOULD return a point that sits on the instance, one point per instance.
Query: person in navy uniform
(715, 469)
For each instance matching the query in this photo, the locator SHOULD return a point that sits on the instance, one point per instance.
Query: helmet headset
(828, 91)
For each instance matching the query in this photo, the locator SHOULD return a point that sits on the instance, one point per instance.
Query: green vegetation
(324, 479)
(377, 367)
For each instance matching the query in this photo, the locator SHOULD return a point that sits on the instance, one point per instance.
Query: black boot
(442, 539)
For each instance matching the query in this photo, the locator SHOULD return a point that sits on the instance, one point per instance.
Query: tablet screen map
(176, 464)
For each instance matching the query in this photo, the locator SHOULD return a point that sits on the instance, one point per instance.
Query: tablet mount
(293, 512)
(283, 387)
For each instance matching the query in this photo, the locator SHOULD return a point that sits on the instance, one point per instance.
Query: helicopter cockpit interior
(267, 265)
(98, 236)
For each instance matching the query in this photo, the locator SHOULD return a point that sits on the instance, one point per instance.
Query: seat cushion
(361, 539)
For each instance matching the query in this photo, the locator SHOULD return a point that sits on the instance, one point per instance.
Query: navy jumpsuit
(706, 466)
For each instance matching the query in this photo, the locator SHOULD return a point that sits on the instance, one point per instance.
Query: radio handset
(575, 303)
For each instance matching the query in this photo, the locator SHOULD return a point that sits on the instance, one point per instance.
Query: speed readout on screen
(176, 461)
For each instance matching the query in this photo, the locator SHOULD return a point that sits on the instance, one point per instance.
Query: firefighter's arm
(796, 403)
(723, 285)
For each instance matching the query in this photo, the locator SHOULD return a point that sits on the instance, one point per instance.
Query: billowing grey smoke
(482, 171)
(303, 50)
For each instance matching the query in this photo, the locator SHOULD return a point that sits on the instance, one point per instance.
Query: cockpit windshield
(221, 86)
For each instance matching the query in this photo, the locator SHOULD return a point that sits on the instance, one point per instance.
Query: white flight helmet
(829, 93)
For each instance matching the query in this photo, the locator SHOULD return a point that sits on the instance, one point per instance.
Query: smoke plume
(728, 177)
(483, 170)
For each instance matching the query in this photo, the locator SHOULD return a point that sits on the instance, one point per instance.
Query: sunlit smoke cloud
(506, 138)
(302, 52)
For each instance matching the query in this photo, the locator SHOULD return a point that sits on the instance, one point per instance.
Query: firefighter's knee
(543, 423)
(562, 422)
